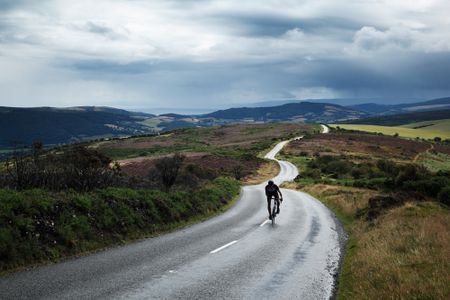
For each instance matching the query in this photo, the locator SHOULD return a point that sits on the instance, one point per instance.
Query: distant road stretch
(237, 255)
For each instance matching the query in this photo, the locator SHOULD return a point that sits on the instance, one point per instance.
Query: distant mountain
(382, 109)
(63, 125)
(404, 118)
(338, 101)
(303, 111)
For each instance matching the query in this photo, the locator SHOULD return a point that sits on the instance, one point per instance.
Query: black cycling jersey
(272, 190)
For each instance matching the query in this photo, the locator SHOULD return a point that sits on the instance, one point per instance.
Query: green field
(401, 131)
(434, 125)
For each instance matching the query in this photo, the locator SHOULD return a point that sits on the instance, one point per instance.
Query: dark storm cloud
(206, 53)
(101, 66)
(8, 4)
(276, 25)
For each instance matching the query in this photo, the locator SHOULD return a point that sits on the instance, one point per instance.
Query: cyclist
(272, 190)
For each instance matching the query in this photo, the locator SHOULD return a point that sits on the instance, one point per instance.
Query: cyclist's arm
(279, 192)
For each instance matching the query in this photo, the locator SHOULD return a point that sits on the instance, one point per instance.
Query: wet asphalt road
(237, 255)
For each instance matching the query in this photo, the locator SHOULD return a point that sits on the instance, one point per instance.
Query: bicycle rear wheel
(274, 212)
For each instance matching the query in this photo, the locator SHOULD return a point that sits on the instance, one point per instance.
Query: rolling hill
(404, 118)
(382, 109)
(303, 111)
(63, 125)
(433, 125)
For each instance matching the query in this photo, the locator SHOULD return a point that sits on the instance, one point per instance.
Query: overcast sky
(140, 54)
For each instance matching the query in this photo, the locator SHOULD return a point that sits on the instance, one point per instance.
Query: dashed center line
(263, 223)
(223, 247)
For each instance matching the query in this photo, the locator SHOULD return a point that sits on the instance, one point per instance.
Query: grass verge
(40, 226)
(267, 171)
(402, 254)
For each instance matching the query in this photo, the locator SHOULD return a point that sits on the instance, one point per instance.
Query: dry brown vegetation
(399, 239)
(346, 199)
(402, 254)
(142, 166)
(242, 135)
(233, 150)
(265, 172)
(358, 144)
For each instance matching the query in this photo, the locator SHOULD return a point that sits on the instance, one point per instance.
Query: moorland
(392, 194)
(65, 201)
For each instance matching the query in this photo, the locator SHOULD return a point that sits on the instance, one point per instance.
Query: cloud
(213, 53)
(369, 38)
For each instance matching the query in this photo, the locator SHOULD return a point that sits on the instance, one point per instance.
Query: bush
(37, 225)
(373, 183)
(388, 167)
(408, 173)
(430, 187)
(444, 196)
(168, 168)
(77, 167)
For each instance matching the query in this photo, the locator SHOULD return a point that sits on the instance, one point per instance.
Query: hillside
(63, 125)
(73, 199)
(303, 111)
(383, 109)
(405, 118)
(392, 195)
(433, 125)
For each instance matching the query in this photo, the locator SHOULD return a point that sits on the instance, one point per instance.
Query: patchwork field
(421, 133)
(435, 125)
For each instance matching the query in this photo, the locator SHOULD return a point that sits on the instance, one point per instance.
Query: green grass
(150, 122)
(436, 161)
(38, 225)
(227, 140)
(434, 125)
(401, 131)
(299, 161)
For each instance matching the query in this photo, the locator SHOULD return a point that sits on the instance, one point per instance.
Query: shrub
(388, 167)
(38, 225)
(167, 169)
(407, 173)
(430, 187)
(444, 195)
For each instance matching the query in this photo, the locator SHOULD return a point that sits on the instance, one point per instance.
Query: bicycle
(274, 209)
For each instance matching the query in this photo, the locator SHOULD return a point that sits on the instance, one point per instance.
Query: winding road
(237, 255)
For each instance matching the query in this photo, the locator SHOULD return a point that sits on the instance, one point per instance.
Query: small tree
(238, 172)
(168, 168)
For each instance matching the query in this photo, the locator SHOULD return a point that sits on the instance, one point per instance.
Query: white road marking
(223, 247)
(264, 223)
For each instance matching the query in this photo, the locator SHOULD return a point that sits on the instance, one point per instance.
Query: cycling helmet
(270, 182)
